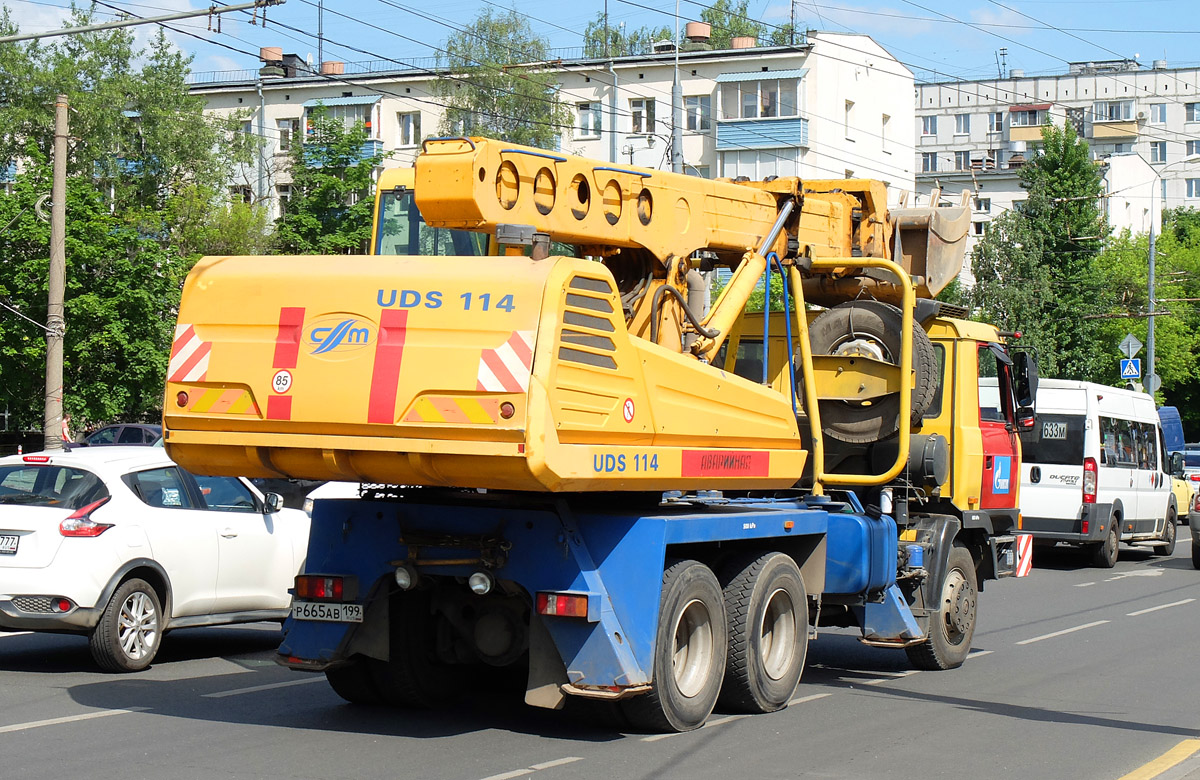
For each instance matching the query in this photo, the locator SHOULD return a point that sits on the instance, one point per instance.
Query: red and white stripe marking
(189, 356)
(508, 367)
(1024, 554)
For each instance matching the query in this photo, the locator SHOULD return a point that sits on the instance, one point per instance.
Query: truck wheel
(1195, 554)
(353, 682)
(953, 624)
(415, 677)
(767, 608)
(871, 329)
(1104, 555)
(689, 652)
(1168, 536)
(127, 637)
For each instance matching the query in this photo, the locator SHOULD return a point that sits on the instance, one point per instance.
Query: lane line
(556, 762)
(257, 688)
(1160, 606)
(16, 633)
(1174, 756)
(1064, 631)
(804, 699)
(33, 724)
(896, 676)
(1084, 584)
(717, 722)
(979, 653)
(510, 775)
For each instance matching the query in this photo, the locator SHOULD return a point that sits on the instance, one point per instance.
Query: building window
(1125, 148)
(1192, 112)
(1193, 148)
(753, 99)
(1112, 111)
(984, 205)
(1193, 188)
(700, 171)
(287, 129)
(996, 122)
(980, 228)
(349, 116)
(247, 127)
(847, 117)
(410, 128)
(929, 125)
(962, 161)
(1158, 151)
(928, 162)
(244, 194)
(1027, 118)
(589, 120)
(699, 113)
(283, 193)
(642, 112)
(1158, 113)
(962, 124)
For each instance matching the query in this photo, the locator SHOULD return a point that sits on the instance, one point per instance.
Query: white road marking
(979, 653)
(257, 688)
(534, 768)
(717, 722)
(1160, 606)
(16, 633)
(556, 762)
(895, 676)
(33, 724)
(1137, 573)
(1084, 584)
(804, 699)
(1060, 633)
(510, 775)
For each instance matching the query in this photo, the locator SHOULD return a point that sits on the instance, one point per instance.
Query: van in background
(1094, 471)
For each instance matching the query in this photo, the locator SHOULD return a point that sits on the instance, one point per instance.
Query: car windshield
(45, 485)
(1191, 459)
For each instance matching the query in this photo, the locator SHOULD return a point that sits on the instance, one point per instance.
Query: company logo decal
(338, 336)
(1000, 477)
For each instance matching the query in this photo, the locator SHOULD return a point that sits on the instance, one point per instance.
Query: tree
(1035, 270)
(499, 85)
(731, 19)
(330, 208)
(620, 42)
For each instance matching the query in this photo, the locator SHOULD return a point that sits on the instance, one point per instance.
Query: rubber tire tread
(659, 710)
(866, 424)
(935, 654)
(1169, 536)
(747, 688)
(1195, 555)
(104, 643)
(412, 678)
(1102, 558)
(353, 682)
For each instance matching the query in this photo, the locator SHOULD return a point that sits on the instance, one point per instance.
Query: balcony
(736, 134)
(1126, 129)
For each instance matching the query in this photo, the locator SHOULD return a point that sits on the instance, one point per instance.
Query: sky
(937, 39)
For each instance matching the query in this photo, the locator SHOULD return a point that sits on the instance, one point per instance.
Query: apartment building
(831, 106)
(1142, 126)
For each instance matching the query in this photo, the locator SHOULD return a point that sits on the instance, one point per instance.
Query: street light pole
(1156, 184)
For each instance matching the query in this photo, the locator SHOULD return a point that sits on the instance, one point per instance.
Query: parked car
(121, 544)
(128, 434)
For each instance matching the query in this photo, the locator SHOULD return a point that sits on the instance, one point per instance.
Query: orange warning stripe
(224, 401)
(448, 409)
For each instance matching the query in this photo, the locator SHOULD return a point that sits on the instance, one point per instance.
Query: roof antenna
(1002, 61)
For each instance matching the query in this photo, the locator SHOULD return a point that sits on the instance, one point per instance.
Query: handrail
(554, 157)
(469, 142)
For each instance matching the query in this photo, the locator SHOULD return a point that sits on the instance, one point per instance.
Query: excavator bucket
(932, 244)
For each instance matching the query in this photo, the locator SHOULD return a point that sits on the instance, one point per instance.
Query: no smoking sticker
(282, 381)
(627, 410)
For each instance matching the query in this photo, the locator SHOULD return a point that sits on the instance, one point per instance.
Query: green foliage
(754, 304)
(1035, 270)
(330, 207)
(622, 43)
(731, 19)
(501, 89)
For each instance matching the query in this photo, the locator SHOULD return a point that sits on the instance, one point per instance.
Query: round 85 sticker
(627, 410)
(282, 381)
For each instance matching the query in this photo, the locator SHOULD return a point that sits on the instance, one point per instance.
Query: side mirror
(1027, 379)
(274, 503)
(1176, 461)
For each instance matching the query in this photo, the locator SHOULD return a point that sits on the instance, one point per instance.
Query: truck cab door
(997, 427)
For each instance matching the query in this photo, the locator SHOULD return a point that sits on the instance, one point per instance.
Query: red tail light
(562, 604)
(80, 524)
(1089, 480)
(1084, 527)
(1194, 477)
(36, 458)
(315, 586)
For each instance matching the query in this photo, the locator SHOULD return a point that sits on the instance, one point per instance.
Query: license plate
(331, 613)
(8, 545)
(1054, 430)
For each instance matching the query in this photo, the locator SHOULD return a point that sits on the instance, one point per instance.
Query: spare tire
(872, 329)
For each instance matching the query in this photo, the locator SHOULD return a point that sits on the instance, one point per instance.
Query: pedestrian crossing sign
(1131, 368)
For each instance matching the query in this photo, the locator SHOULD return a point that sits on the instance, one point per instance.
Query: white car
(121, 544)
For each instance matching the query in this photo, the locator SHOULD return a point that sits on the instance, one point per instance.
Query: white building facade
(834, 106)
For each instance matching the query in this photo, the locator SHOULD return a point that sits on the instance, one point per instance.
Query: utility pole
(320, 34)
(676, 107)
(55, 323)
(1151, 375)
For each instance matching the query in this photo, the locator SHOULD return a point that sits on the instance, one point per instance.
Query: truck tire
(1195, 554)
(353, 682)
(1168, 536)
(689, 652)
(953, 624)
(872, 329)
(1104, 554)
(767, 608)
(414, 677)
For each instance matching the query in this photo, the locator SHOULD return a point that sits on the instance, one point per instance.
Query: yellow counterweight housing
(498, 372)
